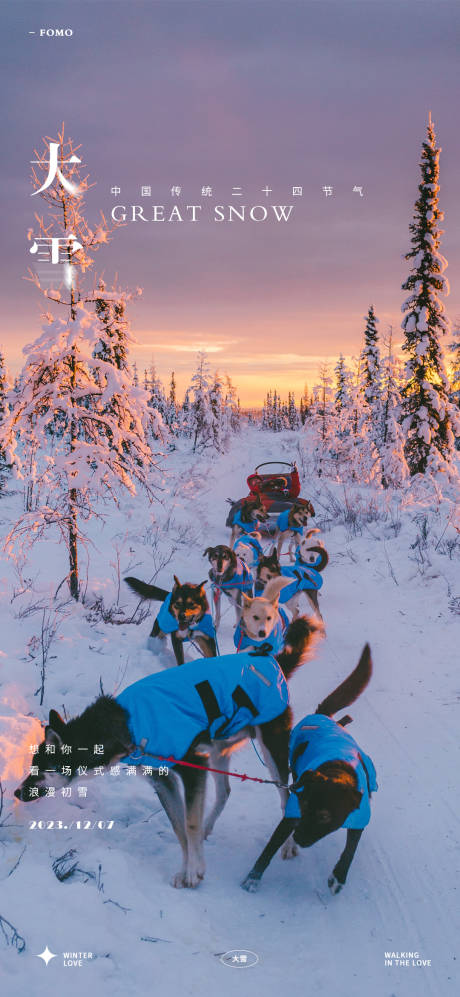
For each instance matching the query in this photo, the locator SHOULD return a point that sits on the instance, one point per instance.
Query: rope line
(207, 768)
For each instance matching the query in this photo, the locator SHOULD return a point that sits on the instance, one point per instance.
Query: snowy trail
(401, 893)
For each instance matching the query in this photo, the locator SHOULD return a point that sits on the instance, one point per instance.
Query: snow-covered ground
(383, 586)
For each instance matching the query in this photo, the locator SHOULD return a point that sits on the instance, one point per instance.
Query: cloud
(194, 347)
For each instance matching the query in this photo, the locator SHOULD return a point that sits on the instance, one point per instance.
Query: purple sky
(249, 94)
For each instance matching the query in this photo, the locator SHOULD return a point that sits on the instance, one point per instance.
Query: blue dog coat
(326, 741)
(242, 579)
(245, 527)
(282, 523)
(219, 696)
(303, 578)
(168, 623)
(248, 540)
(275, 639)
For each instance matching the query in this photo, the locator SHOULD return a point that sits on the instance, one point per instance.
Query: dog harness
(283, 524)
(318, 739)
(242, 579)
(168, 623)
(245, 527)
(248, 540)
(214, 697)
(275, 639)
(303, 579)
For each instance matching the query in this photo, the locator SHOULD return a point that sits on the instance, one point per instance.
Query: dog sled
(277, 489)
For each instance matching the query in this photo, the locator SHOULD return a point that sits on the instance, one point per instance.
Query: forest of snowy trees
(380, 419)
(81, 424)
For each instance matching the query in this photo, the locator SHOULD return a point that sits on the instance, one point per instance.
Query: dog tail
(300, 642)
(146, 591)
(351, 688)
(324, 558)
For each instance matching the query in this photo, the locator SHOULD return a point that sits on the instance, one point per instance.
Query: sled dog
(300, 580)
(197, 714)
(246, 517)
(291, 523)
(229, 575)
(263, 620)
(184, 615)
(333, 783)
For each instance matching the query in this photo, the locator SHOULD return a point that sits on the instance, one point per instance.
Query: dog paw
(187, 880)
(178, 881)
(334, 885)
(289, 850)
(250, 884)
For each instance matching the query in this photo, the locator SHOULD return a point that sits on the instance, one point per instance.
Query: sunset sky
(249, 94)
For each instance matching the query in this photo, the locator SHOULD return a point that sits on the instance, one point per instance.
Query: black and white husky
(108, 724)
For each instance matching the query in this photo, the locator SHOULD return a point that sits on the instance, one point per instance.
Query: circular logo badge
(239, 958)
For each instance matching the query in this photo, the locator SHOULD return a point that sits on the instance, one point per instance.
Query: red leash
(206, 768)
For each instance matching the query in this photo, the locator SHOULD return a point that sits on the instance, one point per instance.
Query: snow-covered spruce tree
(184, 416)
(277, 420)
(201, 416)
(394, 468)
(356, 455)
(232, 410)
(370, 361)
(284, 412)
(157, 401)
(341, 383)
(346, 416)
(103, 446)
(171, 406)
(267, 415)
(110, 309)
(293, 415)
(321, 419)
(219, 427)
(429, 418)
(101, 443)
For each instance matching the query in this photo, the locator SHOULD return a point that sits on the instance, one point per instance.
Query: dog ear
(311, 509)
(273, 588)
(202, 584)
(208, 550)
(355, 797)
(56, 721)
(246, 600)
(177, 584)
(307, 780)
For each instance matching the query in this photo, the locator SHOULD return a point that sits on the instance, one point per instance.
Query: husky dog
(263, 621)
(312, 554)
(268, 567)
(229, 574)
(291, 523)
(246, 518)
(198, 714)
(184, 615)
(333, 782)
(300, 579)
